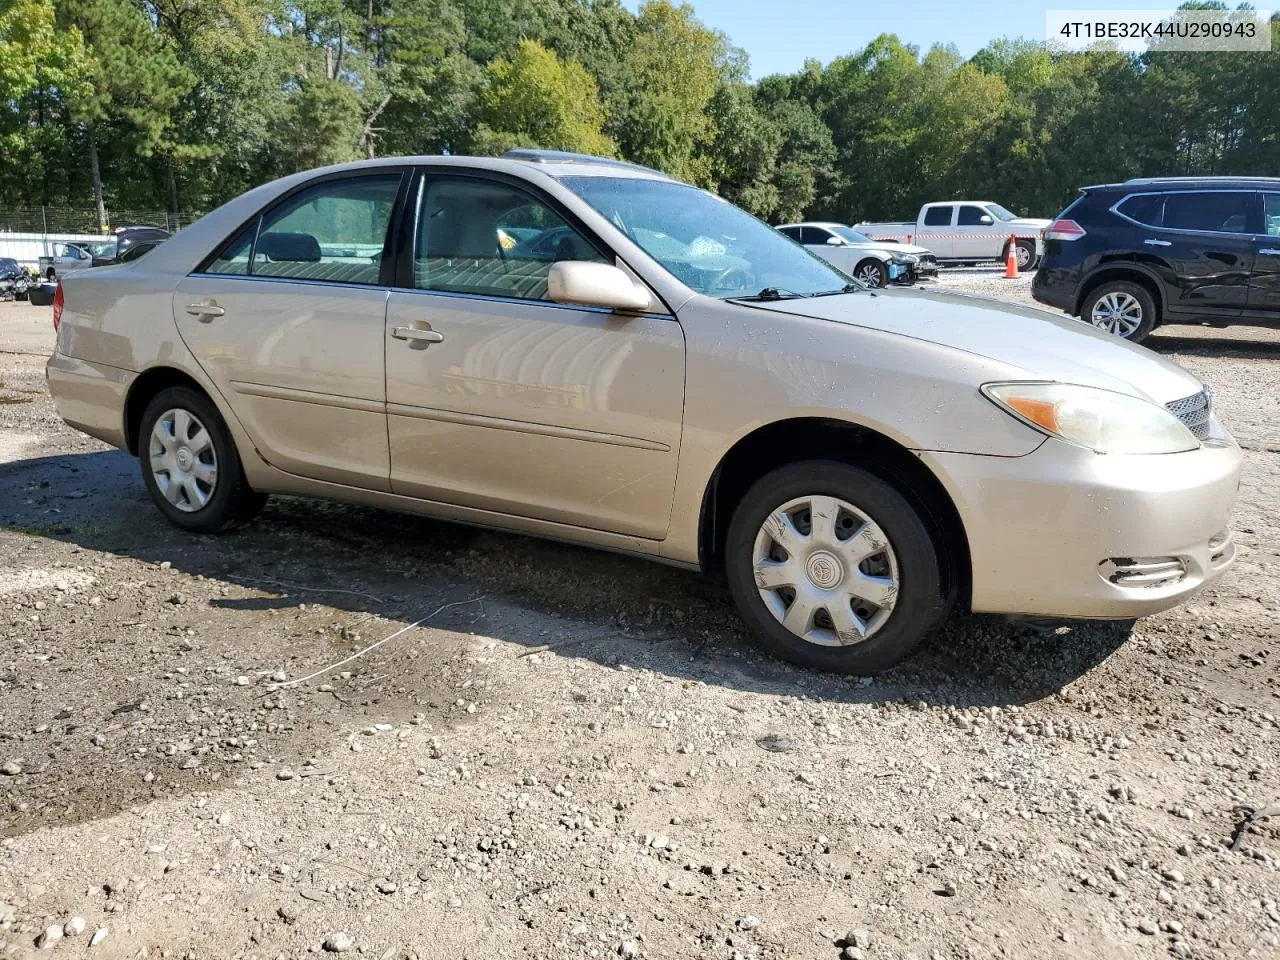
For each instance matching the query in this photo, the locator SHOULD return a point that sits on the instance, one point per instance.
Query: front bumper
(1064, 532)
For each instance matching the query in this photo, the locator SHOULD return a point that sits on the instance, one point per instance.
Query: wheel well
(792, 441)
(1112, 274)
(143, 389)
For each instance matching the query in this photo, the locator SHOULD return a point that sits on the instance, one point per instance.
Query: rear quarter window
(1147, 209)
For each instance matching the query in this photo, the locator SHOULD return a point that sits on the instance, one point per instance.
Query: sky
(780, 35)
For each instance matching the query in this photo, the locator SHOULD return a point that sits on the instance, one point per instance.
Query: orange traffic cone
(1011, 259)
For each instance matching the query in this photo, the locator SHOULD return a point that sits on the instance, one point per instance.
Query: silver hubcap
(1023, 256)
(826, 571)
(183, 461)
(1118, 313)
(870, 275)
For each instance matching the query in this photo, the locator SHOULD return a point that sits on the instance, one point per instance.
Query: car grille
(928, 263)
(1194, 412)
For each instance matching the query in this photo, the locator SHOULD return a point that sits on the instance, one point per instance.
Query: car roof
(553, 163)
(828, 224)
(1185, 183)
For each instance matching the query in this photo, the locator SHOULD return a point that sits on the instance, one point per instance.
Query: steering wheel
(733, 278)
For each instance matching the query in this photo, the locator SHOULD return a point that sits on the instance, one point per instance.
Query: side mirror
(986, 220)
(834, 242)
(595, 285)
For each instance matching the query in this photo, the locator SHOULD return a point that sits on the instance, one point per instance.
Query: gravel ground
(580, 755)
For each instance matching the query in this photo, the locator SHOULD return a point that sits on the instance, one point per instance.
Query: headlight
(1099, 420)
(905, 258)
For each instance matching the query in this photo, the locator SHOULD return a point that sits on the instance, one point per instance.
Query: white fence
(27, 248)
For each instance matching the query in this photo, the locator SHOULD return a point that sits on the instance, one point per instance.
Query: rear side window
(1213, 211)
(334, 231)
(938, 217)
(1147, 208)
(1271, 214)
(792, 232)
(972, 217)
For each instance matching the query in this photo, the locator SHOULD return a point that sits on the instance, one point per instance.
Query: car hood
(1045, 346)
(890, 248)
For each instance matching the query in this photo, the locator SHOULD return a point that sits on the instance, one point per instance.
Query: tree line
(183, 104)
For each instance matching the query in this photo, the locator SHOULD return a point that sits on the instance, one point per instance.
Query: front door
(287, 320)
(1264, 285)
(974, 236)
(502, 400)
(1208, 243)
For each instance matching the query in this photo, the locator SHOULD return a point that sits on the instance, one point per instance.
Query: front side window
(971, 217)
(708, 244)
(490, 239)
(1271, 214)
(815, 236)
(1213, 211)
(938, 217)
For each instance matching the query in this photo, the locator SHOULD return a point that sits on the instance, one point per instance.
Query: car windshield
(707, 243)
(1000, 213)
(853, 236)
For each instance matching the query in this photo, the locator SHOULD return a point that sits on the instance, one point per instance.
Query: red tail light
(1064, 230)
(57, 306)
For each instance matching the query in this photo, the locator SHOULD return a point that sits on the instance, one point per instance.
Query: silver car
(65, 258)
(669, 378)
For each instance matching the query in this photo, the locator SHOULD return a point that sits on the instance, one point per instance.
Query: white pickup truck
(967, 230)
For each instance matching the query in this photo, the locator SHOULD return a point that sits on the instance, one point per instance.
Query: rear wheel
(872, 272)
(1024, 252)
(832, 568)
(190, 464)
(1122, 308)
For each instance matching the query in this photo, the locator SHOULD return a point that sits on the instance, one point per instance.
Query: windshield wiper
(847, 288)
(771, 293)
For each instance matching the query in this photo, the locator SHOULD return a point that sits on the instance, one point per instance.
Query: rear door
(1207, 237)
(939, 230)
(1264, 285)
(287, 319)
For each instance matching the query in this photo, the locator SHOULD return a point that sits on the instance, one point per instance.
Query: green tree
(659, 114)
(535, 98)
(135, 81)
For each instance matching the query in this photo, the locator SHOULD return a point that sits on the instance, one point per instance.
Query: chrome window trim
(1114, 208)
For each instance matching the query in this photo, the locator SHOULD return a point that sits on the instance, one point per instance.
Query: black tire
(867, 266)
(1026, 255)
(1146, 304)
(922, 603)
(232, 502)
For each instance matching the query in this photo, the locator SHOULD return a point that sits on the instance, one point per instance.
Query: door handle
(1270, 251)
(416, 335)
(205, 310)
(1157, 243)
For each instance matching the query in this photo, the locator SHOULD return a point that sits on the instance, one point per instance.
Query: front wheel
(190, 464)
(832, 568)
(873, 273)
(1121, 308)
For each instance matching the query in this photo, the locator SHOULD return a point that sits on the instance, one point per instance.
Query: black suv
(1130, 256)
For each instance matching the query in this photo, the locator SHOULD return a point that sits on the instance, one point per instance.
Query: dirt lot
(580, 755)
